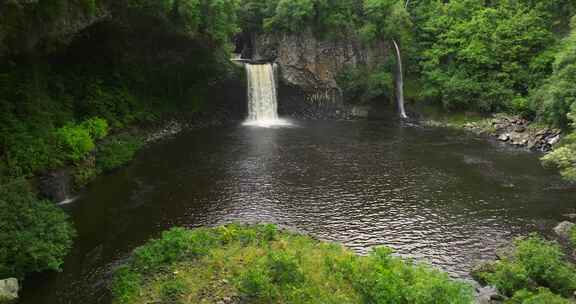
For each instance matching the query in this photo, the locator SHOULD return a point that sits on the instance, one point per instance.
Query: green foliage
(326, 18)
(385, 19)
(126, 285)
(533, 264)
(215, 19)
(35, 234)
(261, 265)
(573, 237)
(173, 290)
(483, 55)
(555, 98)
(362, 85)
(117, 151)
(77, 140)
(564, 156)
(291, 16)
(541, 296)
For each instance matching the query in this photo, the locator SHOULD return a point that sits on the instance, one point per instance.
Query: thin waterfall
(262, 95)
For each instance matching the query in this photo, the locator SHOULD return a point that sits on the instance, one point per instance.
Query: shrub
(256, 284)
(534, 263)
(35, 234)
(116, 152)
(126, 285)
(362, 85)
(564, 157)
(173, 290)
(77, 140)
(96, 127)
(541, 296)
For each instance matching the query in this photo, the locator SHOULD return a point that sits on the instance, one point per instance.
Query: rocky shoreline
(511, 130)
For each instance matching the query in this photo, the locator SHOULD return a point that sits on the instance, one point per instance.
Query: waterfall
(262, 95)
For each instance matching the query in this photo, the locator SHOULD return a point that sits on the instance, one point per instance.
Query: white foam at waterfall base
(263, 97)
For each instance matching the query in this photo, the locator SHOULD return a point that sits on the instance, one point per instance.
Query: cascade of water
(262, 95)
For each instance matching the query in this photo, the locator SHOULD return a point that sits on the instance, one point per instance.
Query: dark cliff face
(313, 64)
(36, 27)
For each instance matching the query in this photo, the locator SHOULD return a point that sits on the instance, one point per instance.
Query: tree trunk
(399, 82)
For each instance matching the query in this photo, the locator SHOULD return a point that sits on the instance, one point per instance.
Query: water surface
(439, 196)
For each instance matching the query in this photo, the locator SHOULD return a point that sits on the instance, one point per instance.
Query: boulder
(9, 289)
(504, 137)
(564, 229)
(554, 140)
(361, 111)
(488, 295)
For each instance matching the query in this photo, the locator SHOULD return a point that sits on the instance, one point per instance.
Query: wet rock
(571, 216)
(9, 289)
(309, 63)
(488, 295)
(504, 137)
(55, 185)
(554, 140)
(564, 229)
(361, 111)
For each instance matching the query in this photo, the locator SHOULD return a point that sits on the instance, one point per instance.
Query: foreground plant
(536, 271)
(259, 264)
(35, 235)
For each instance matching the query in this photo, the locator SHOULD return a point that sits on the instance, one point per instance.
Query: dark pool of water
(436, 195)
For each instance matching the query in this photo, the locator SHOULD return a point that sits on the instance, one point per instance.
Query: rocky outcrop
(564, 229)
(9, 290)
(24, 30)
(55, 185)
(511, 130)
(519, 132)
(313, 64)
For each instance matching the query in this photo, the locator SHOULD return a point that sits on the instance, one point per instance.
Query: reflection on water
(434, 195)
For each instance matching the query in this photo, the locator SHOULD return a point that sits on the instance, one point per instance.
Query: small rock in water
(504, 137)
(564, 229)
(487, 295)
(554, 140)
(9, 289)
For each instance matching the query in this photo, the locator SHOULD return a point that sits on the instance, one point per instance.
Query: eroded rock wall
(314, 64)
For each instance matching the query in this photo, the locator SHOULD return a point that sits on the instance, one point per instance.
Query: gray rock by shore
(564, 229)
(9, 290)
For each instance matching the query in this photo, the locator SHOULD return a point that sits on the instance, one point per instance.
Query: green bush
(541, 296)
(117, 151)
(362, 85)
(554, 100)
(533, 264)
(258, 264)
(35, 234)
(78, 140)
(126, 285)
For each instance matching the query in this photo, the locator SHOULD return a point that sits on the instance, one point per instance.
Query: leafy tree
(291, 16)
(483, 55)
(389, 20)
(555, 98)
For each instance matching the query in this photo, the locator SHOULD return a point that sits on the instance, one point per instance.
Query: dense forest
(78, 78)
